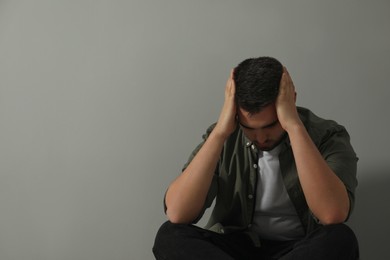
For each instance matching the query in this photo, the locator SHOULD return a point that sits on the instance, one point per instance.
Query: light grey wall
(101, 102)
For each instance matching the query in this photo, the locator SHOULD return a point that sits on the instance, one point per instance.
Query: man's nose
(261, 137)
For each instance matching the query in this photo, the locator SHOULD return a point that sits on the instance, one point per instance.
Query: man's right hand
(227, 122)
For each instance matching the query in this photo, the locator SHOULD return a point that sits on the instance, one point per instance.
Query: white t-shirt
(275, 216)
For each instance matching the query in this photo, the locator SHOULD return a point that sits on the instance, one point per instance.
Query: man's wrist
(295, 127)
(216, 136)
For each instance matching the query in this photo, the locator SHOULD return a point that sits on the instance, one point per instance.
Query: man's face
(262, 128)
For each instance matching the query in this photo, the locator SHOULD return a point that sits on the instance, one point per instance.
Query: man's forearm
(186, 195)
(325, 193)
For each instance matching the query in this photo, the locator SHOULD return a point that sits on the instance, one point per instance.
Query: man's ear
(295, 96)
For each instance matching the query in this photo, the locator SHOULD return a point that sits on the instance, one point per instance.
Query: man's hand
(227, 120)
(285, 102)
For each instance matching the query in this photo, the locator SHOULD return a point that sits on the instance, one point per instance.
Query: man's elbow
(336, 217)
(177, 218)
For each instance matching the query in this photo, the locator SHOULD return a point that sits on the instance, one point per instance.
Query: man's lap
(181, 241)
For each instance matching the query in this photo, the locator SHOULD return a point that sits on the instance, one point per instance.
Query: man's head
(257, 83)
(257, 87)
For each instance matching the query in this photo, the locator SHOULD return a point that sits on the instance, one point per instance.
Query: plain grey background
(101, 102)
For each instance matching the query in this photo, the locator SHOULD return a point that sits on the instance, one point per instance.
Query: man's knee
(341, 232)
(165, 234)
(169, 237)
(161, 240)
(327, 242)
(169, 231)
(342, 238)
(164, 229)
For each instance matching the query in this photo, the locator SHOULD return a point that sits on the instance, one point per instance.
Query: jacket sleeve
(337, 151)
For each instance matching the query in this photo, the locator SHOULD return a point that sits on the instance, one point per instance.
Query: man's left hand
(285, 102)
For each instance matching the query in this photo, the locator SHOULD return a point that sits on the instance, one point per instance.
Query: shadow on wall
(370, 219)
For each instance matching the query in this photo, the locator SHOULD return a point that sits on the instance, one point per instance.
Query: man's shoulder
(318, 127)
(311, 119)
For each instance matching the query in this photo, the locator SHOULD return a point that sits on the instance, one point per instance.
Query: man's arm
(186, 195)
(325, 193)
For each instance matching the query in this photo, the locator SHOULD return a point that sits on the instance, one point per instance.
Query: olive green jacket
(234, 182)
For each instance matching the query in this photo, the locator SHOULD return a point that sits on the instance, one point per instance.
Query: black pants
(189, 242)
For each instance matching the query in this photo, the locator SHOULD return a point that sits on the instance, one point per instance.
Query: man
(283, 179)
